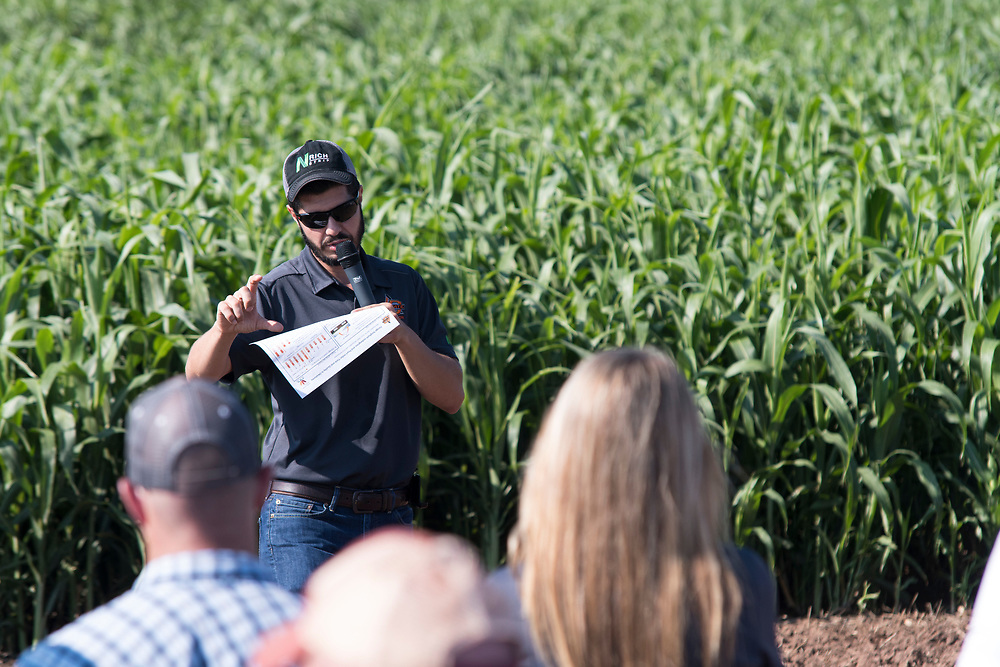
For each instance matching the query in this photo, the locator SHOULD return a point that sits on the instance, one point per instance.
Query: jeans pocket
(403, 516)
(286, 506)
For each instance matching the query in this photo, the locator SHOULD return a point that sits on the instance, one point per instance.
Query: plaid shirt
(193, 608)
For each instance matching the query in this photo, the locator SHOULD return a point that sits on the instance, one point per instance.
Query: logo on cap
(309, 159)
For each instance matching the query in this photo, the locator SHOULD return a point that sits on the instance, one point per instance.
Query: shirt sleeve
(429, 326)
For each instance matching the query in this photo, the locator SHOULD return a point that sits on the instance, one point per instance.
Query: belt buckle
(366, 502)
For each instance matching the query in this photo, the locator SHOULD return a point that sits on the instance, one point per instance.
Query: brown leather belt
(362, 501)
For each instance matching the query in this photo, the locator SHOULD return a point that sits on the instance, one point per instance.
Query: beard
(326, 253)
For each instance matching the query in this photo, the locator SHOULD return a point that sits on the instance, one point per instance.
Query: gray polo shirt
(361, 428)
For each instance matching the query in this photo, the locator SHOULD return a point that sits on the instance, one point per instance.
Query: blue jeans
(298, 535)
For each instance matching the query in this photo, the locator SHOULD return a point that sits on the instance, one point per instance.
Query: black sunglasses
(341, 213)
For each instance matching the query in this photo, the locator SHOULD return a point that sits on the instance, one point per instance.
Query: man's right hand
(238, 313)
(209, 355)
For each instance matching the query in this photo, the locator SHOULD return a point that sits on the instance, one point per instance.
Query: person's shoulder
(265, 601)
(391, 267)
(260, 584)
(748, 559)
(396, 275)
(256, 583)
(756, 578)
(289, 268)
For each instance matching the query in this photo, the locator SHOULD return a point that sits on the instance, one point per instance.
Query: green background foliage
(798, 200)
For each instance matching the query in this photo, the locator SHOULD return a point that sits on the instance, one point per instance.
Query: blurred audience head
(193, 477)
(623, 521)
(401, 597)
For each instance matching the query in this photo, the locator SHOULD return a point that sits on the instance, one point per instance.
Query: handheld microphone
(350, 260)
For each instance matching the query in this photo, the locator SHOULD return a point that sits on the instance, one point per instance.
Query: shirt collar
(320, 278)
(198, 564)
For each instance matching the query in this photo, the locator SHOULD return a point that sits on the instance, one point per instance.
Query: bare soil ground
(910, 639)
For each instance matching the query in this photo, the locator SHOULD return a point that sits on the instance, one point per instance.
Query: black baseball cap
(316, 160)
(188, 436)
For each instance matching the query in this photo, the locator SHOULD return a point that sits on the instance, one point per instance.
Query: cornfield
(797, 200)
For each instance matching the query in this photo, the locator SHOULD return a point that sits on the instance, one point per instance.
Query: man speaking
(344, 455)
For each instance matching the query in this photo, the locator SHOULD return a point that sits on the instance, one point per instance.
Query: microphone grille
(347, 253)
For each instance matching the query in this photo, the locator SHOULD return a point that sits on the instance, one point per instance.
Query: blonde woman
(622, 549)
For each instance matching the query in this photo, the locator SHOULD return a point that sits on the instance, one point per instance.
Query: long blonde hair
(623, 522)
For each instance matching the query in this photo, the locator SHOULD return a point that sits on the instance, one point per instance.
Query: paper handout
(311, 355)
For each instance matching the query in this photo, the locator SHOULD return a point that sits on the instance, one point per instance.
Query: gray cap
(187, 436)
(316, 160)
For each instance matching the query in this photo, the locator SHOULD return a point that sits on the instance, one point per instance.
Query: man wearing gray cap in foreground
(193, 484)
